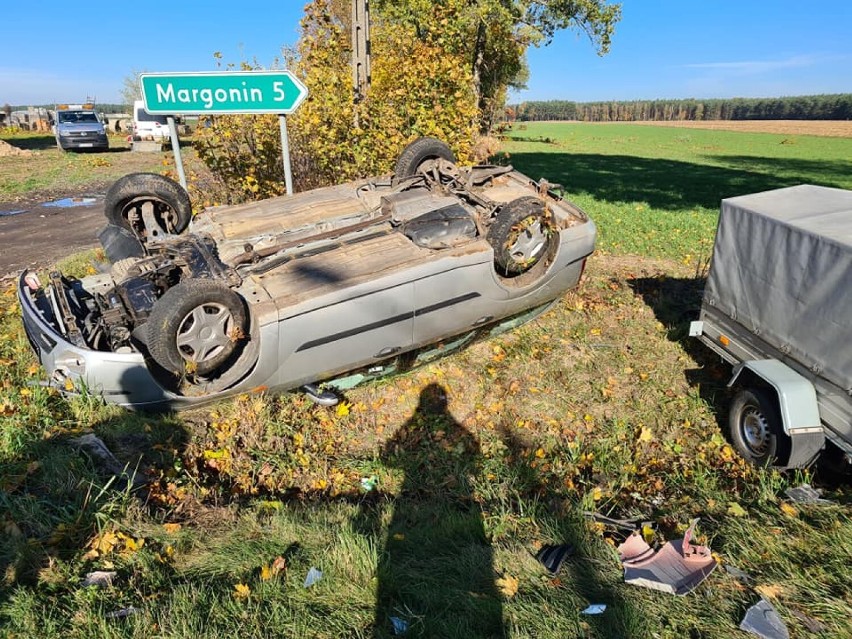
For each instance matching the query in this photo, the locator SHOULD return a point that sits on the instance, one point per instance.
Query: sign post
(225, 93)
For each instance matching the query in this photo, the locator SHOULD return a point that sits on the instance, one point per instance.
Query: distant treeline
(806, 107)
(103, 107)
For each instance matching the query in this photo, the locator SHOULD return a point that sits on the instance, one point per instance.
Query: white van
(147, 126)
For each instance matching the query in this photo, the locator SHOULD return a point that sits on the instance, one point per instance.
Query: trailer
(778, 307)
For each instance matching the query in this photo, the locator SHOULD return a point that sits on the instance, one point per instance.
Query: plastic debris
(369, 483)
(94, 446)
(764, 621)
(677, 568)
(552, 557)
(11, 213)
(400, 626)
(805, 494)
(122, 613)
(739, 575)
(594, 609)
(71, 202)
(314, 575)
(99, 578)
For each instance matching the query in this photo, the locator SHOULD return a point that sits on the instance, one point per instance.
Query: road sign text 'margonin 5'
(219, 93)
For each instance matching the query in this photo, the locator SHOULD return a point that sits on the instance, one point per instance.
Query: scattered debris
(624, 524)
(99, 578)
(122, 613)
(71, 202)
(764, 621)
(552, 557)
(369, 483)
(94, 446)
(677, 568)
(11, 213)
(740, 575)
(400, 626)
(805, 494)
(809, 622)
(314, 575)
(594, 609)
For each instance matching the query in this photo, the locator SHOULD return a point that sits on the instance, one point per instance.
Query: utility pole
(360, 50)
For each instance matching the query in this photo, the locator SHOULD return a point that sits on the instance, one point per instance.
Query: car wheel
(149, 205)
(196, 327)
(754, 424)
(521, 236)
(417, 153)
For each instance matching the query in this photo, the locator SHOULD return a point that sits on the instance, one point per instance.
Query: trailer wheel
(133, 197)
(754, 424)
(197, 327)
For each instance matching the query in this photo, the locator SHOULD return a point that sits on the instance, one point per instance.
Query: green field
(656, 190)
(425, 497)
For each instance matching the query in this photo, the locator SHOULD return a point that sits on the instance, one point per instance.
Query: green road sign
(220, 93)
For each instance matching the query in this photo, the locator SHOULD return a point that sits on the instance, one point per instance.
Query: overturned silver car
(336, 285)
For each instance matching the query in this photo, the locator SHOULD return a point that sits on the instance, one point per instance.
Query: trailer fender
(796, 395)
(797, 402)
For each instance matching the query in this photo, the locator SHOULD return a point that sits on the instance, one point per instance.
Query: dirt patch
(37, 236)
(7, 150)
(825, 128)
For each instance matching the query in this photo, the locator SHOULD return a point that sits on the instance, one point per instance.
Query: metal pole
(285, 152)
(176, 149)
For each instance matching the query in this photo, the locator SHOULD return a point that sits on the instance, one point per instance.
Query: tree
(130, 89)
(492, 36)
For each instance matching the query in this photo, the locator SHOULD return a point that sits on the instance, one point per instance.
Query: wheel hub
(755, 431)
(529, 242)
(204, 332)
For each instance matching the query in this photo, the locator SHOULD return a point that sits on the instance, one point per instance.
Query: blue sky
(661, 48)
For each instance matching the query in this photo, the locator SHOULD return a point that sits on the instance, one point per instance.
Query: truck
(777, 306)
(79, 126)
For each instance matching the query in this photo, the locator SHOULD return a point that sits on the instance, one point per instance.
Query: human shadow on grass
(671, 184)
(435, 570)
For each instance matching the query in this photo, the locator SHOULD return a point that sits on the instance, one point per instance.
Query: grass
(656, 190)
(48, 169)
(603, 404)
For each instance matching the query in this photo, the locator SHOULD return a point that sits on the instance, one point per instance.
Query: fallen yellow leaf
(171, 528)
(343, 409)
(787, 509)
(771, 591)
(241, 591)
(507, 585)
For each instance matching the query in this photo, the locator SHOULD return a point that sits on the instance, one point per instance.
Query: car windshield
(77, 116)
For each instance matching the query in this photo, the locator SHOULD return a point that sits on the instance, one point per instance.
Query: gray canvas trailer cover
(782, 268)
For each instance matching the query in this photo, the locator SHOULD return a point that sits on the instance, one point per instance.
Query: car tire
(416, 153)
(755, 428)
(197, 327)
(521, 236)
(126, 198)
